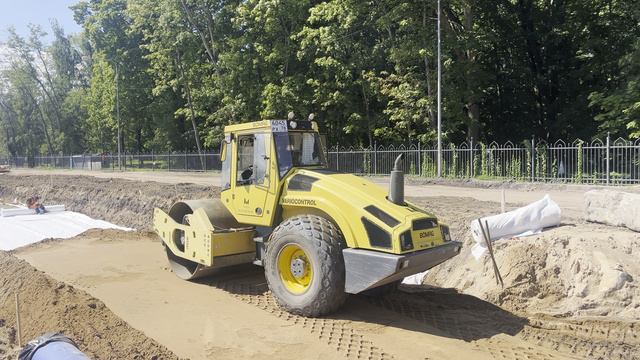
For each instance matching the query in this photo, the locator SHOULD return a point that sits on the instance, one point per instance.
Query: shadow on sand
(436, 311)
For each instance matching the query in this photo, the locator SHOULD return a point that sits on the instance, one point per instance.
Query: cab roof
(273, 126)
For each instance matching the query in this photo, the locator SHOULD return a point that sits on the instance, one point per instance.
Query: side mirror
(223, 151)
(223, 147)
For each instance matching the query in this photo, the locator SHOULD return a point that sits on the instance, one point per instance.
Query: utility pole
(439, 99)
(118, 119)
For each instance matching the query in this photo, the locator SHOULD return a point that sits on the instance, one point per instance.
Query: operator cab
(298, 149)
(264, 153)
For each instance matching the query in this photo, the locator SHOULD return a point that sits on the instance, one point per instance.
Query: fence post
(608, 156)
(375, 158)
(338, 157)
(419, 160)
(533, 157)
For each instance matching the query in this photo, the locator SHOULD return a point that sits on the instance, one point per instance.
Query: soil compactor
(319, 235)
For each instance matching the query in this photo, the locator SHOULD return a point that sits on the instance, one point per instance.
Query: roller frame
(213, 238)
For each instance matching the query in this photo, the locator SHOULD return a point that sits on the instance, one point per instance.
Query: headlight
(406, 243)
(446, 236)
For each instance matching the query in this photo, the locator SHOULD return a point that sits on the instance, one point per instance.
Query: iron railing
(596, 162)
(129, 162)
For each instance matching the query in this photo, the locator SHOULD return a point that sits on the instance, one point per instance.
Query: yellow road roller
(319, 235)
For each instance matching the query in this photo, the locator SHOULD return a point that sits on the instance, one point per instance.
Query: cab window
(260, 158)
(245, 160)
(252, 159)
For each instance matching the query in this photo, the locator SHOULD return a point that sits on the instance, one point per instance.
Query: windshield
(298, 149)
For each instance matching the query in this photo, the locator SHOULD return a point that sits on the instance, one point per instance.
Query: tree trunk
(46, 131)
(473, 127)
(365, 99)
(193, 113)
(466, 55)
(204, 40)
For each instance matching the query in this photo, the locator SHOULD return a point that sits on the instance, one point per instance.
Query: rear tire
(321, 244)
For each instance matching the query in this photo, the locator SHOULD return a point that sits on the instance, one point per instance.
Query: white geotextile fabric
(18, 231)
(524, 221)
(415, 279)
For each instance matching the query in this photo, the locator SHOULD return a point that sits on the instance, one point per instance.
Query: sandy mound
(122, 202)
(48, 305)
(578, 269)
(8, 349)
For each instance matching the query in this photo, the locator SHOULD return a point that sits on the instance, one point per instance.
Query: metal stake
(487, 239)
(19, 335)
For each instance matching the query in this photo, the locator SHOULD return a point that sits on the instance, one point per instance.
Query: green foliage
(454, 161)
(579, 156)
(620, 107)
(529, 156)
(541, 162)
(187, 68)
(484, 163)
(515, 168)
(429, 167)
(476, 165)
(366, 162)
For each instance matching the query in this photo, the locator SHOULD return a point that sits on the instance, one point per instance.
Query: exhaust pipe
(396, 184)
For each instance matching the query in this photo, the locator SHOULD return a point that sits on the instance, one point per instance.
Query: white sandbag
(523, 221)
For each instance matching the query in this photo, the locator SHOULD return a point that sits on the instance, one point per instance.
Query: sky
(19, 13)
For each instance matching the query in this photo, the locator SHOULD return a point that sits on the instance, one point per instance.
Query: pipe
(51, 346)
(396, 184)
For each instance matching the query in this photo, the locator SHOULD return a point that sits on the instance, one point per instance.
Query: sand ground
(458, 314)
(232, 316)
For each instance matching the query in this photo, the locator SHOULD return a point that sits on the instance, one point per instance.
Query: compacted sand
(48, 305)
(570, 292)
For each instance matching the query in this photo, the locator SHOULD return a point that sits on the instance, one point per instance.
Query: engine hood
(360, 192)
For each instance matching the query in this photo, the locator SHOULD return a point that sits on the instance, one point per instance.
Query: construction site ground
(570, 292)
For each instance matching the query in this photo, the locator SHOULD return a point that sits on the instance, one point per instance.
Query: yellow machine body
(203, 244)
(344, 197)
(264, 184)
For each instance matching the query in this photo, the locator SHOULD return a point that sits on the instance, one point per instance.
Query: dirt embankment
(49, 305)
(575, 270)
(122, 202)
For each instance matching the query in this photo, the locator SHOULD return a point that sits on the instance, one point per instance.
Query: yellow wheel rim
(295, 269)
